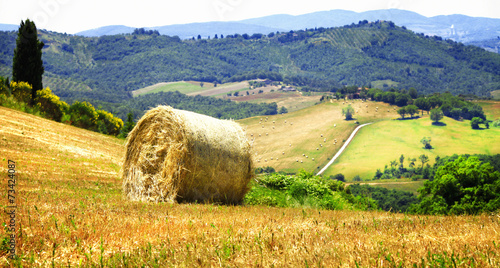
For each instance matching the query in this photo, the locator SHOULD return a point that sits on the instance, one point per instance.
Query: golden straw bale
(174, 155)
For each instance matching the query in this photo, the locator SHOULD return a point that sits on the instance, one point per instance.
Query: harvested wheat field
(71, 212)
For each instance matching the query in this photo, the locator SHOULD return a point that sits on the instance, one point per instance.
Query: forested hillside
(109, 67)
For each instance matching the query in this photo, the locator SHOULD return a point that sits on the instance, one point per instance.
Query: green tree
(128, 126)
(426, 141)
(348, 112)
(338, 177)
(401, 161)
(411, 110)
(436, 115)
(27, 64)
(413, 93)
(474, 122)
(424, 159)
(282, 110)
(402, 112)
(423, 104)
(464, 186)
(402, 100)
(412, 162)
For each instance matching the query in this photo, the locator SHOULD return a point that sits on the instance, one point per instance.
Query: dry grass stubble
(69, 214)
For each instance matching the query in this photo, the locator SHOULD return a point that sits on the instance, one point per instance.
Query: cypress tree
(27, 65)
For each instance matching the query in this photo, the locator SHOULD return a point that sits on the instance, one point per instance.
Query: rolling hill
(316, 60)
(291, 141)
(388, 140)
(107, 30)
(308, 138)
(457, 27)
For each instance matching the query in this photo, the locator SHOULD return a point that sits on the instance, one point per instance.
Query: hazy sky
(72, 16)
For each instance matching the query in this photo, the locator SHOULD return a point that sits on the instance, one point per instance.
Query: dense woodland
(324, 59)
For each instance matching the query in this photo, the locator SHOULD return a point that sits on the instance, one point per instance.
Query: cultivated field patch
(308, 138)
(378, 144)
(185, 87)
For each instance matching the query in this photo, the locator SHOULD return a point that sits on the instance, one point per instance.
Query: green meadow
(378, 144)
(181, 86)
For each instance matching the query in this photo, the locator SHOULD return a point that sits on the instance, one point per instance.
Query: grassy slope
(398, 184)
(305, 134)
(292, 101)
(496, 94)
(71, 212)
(183, 87)
(193, 88)
(491, 109)
(378, 144)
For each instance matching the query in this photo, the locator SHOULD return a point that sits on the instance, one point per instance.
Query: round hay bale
(174, 155)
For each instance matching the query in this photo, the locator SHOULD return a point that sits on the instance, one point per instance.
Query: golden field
(71, 213)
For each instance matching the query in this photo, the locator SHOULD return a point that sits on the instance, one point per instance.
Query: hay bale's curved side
(175, 155)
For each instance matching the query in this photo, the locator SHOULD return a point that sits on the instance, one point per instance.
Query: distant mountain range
(8, 27)
(459, 28)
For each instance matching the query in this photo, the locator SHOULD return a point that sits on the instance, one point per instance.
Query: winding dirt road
(342, 149)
